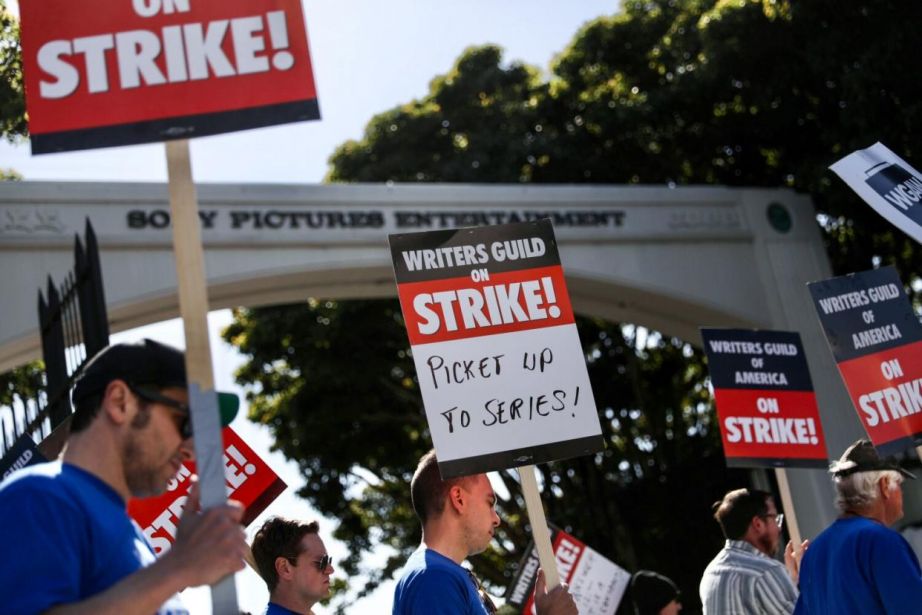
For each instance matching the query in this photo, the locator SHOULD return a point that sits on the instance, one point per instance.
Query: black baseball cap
(651, 591)
(143, 363)
(862, 457)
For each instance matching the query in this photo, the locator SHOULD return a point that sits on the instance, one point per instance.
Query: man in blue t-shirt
(68, 542)
(458, 519)
(293, 561)
(858, 566)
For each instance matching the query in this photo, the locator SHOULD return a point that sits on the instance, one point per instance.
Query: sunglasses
(325, 561)
(184, 425)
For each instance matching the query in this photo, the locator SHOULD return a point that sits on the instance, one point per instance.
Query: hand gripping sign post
(499, 363)
(876, 340)
(765, 404)
(597, 583)
(116, 72)
(888, 184)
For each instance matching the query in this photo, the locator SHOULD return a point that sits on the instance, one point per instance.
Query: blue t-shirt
(66, 536)
(432, 584)
(857, 566)
(277, 609)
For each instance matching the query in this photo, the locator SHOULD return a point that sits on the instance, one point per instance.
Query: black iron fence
(74, 326)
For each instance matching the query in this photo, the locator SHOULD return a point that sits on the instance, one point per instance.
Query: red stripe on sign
(100, 63)
(459, 308)
(886, 388)
(770, 424)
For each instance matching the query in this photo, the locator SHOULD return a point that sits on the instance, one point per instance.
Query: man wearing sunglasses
(745, 577)
(70, 546)
(293, 561)
(459, 520)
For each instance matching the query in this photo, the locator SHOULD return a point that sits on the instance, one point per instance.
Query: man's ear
(456, 498)
(115, 401)
(284, 568)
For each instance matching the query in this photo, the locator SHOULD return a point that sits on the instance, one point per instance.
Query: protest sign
(101, 73)
(22, 453)
(887, 183)
(597, 583)
(876, 339)
(497, 355)
(765, 401)
(248, 479)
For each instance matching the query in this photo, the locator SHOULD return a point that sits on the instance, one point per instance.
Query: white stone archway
(670, 259)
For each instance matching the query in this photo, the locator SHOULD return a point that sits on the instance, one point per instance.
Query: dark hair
(427, 489)
(278, 537)
(85, 411)
(735, 511)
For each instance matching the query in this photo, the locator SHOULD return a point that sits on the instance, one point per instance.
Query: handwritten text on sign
(495, 346)
(876, 339)
(765, 401)
(109, 63)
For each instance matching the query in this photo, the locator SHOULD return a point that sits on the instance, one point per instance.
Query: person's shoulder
(38, 478)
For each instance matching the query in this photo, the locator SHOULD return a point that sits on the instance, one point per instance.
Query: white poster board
(888, 184)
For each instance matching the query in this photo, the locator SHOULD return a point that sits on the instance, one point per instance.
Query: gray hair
(859, 490)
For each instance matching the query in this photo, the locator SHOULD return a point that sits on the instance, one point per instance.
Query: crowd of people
(71, 547)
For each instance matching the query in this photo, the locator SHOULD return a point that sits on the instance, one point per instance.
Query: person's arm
(558, 601)
(793, 557)
(895, 572)
(434, 592)
(209, 546)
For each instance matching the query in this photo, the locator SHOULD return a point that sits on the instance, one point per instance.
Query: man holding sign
(67, 520)
(458, 519)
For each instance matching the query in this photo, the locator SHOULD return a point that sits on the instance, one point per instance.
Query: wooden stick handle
(539, 528)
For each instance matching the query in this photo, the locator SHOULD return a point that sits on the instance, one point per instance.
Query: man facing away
(858, 565)
(458, 520)
(293, 561)
(744, 578)
(69, 545)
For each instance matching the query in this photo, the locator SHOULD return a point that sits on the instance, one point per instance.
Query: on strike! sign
(765, 400)
(877, 342)
(494, 342)
(249, 481)
(100, 73)
(596, 582)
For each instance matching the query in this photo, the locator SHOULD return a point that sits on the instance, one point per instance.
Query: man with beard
(745, 578)
(293, 561)
(459, 518)
(69, 545)
(858, 565)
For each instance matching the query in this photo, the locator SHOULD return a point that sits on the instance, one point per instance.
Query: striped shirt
(742, 580)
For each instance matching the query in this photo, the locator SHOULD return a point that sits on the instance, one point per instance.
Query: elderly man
(293, 561)
(745, 578)
(70, 546)
(458, 519)
(858, 565)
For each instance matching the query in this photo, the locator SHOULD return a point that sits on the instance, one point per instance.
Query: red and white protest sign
(497, 355)
(876, 339)
(100, 73)
(249, 480)
(765, 400)
(596, 582)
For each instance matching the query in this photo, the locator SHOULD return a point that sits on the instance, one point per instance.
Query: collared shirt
(742, 580)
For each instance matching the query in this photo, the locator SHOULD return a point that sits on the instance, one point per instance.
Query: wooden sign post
(193, 306)
(538, 521)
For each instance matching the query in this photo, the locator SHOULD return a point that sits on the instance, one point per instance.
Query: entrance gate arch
(672, 259)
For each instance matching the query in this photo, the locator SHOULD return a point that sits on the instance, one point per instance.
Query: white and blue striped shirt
(742, 580)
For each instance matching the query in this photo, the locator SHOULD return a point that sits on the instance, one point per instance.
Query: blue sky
(368, 56)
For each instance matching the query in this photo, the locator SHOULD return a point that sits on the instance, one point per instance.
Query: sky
(368, 56)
